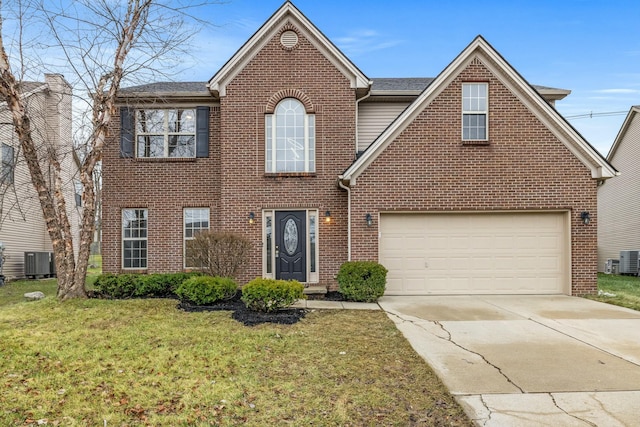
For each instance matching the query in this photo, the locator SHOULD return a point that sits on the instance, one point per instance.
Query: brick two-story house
(469, 182)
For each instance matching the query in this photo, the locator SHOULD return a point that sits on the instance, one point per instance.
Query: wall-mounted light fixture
(585, 217)
(327, 216)
(369, 220)
(252, 217)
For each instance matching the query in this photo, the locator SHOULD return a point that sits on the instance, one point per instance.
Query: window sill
(473, 142)
(165, 159)
(290, 175)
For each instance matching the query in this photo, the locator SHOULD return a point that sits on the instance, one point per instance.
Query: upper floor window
(290, 138)
(474, 111)
(166, 133)
(7, 168)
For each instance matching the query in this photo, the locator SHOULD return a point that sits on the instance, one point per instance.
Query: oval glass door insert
(290, 236)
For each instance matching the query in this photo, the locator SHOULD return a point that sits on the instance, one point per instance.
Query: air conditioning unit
(629, 262)
(612, 266)
(37, 264)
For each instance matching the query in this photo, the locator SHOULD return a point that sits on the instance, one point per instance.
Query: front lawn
(618, 290)
(144, 362)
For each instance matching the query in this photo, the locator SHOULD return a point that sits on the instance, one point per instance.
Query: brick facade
(232, 182)
(274, 73)
(524, 167)
(426, 168)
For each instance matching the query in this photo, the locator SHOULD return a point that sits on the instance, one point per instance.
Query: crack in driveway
(553, 399)
(489, 411)
(450, 339)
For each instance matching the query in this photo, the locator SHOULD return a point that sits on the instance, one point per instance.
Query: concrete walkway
(529, 360)
(323, 304)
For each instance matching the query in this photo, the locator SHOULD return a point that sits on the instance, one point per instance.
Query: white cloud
(618, 91)
(363, 41)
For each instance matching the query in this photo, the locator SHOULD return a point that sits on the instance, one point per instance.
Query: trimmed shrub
(362, 281)
(270, 295)
(123, 286)
(204, 290)
(116, 285)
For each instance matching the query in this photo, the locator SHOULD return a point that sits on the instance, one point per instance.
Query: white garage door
(475, 253)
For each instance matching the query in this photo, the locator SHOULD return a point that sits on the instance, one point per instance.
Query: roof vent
(289, 39)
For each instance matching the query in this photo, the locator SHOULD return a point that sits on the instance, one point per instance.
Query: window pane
(474, 126)
(151, 146)
(195, 221)
(312, 242)
(182, 146)
(150, 121)
(474, 97)
(134, 243)
(268, 244)
(292, 138)
(8, 164)
(183, 121)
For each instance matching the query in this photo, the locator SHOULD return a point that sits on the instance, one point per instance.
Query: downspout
(348, 189)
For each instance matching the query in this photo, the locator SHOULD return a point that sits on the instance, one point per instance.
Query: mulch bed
(248, 317)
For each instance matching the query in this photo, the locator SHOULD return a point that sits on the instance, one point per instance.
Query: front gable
(480, 52)
(287, 23)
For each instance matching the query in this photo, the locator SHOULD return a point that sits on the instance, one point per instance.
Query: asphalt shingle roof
(382, 84)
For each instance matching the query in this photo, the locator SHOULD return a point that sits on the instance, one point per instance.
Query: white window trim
(130, 238)
(165, 132)
(184, 234)
(271, 118)
(312, 277)
(484, 112)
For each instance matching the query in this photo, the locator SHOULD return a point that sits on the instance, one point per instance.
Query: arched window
(290, 138)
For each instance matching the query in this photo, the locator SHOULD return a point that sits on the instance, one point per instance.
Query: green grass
(144, 362)
(625, 290)
(13, 292)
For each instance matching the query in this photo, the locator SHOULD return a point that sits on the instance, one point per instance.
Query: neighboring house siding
(619, 199)
(163, 186)
(22, 225)
(374, 117)
(524, 167)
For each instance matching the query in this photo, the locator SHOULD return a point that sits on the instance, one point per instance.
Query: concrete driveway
(529, 360)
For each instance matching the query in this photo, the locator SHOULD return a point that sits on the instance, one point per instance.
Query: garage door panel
(475, 253)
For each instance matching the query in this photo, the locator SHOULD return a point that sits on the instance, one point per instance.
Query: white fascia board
(600, 168)
(623, 130)
(288, 11)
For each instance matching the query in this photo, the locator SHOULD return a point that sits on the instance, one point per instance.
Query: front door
(291, 245)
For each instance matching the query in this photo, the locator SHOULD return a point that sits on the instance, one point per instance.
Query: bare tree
(102, 42)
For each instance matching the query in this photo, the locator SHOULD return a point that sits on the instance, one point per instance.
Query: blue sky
(590, 47)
